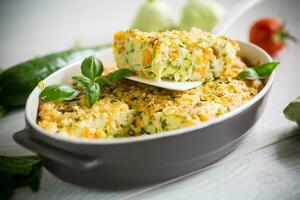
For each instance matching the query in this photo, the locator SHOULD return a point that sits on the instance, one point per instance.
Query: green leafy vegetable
(84, 81)
(7, 185)
(120, 74)
(249, 73)
(91, 82)
(93, 93)
(19, 171)
(292, 111)
(17, 82)
(91, 67)
(58, 93)
(3, 110)
(259, 72)
(102, 80)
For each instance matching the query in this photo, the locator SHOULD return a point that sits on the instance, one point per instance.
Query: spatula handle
(233, 14)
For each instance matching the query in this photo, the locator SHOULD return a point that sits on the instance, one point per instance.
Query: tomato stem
(282, 35)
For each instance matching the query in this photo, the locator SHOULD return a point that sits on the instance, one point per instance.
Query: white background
(30, 28)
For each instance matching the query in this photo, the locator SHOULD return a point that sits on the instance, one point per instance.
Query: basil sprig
(59, 93)
(91, 81)
(3, 110)
(259, 71)
(91, 68)
(19, 171)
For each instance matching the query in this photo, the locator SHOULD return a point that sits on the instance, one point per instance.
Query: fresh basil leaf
(265, 69)
(259, 72)
(19, 171)
(59, 93)
(120, 74)
(292, 110)
(84, 81)
(249, 73)
(20, 165)
(91, 67)
(93, 93)
(102, 80)
(7, 185)
(3, 110)
(33, 179)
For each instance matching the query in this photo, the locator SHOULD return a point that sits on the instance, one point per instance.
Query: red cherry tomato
(269, 34)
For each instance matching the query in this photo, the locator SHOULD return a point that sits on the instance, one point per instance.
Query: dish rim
(170, 133)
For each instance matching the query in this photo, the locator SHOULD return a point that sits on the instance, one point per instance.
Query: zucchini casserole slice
(174, 55)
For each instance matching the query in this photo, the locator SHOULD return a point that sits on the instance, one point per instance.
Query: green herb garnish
(59, 93)
(91, 81)
(19, 171)
(102, 80)
(259, 72)
(292, 110)
(120, 74)
(91, 67)
(3, 110)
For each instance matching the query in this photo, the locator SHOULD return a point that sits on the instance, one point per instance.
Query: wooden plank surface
(265, 166)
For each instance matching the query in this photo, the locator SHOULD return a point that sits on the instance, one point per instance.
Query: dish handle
(56, 154)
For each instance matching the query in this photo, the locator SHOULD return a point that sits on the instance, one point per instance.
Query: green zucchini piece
(18, 81)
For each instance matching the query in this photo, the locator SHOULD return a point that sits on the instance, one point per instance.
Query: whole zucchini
(18, 81)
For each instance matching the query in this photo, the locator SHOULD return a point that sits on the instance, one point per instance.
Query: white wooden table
(265, 166)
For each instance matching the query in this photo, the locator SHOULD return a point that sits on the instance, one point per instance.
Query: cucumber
(18, 81)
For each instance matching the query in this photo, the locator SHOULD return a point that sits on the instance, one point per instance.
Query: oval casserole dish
(143, 159)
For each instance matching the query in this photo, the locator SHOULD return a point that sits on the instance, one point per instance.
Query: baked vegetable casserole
(174, 55)
(128, 108)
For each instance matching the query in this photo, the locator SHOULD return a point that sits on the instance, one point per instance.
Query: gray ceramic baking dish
(142, 159)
